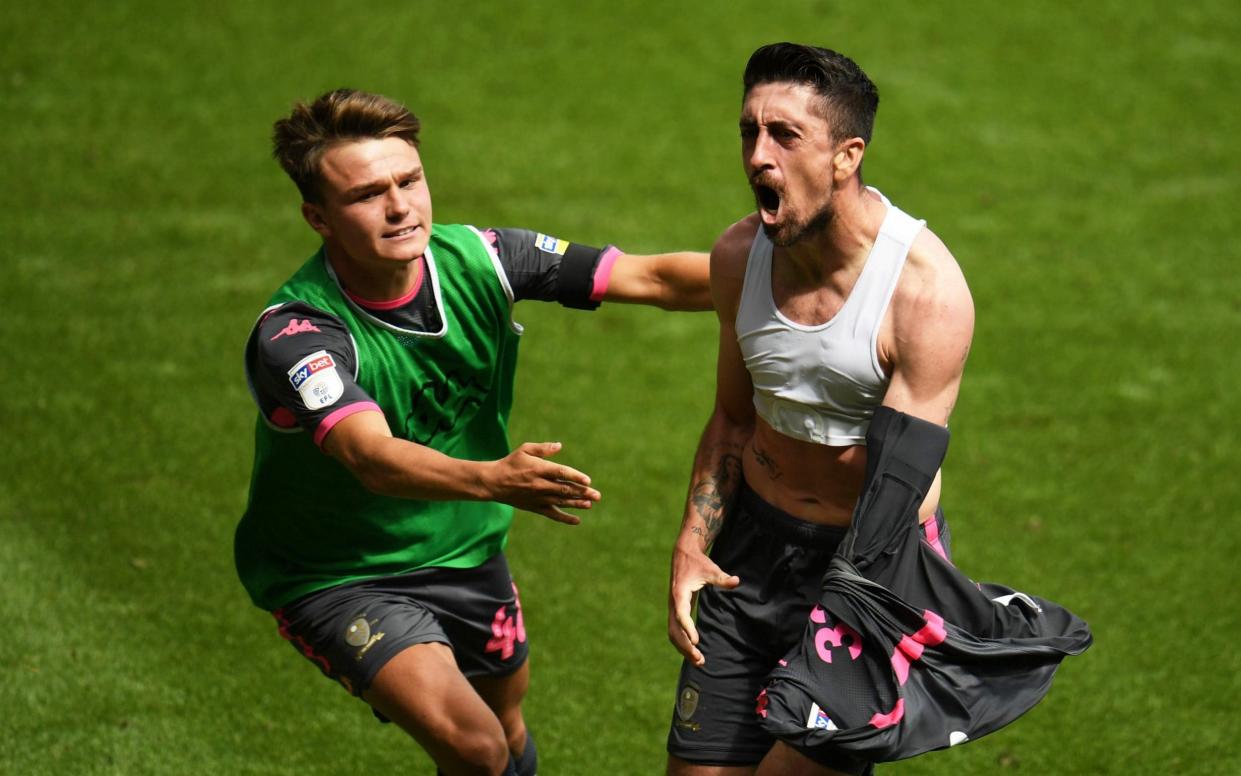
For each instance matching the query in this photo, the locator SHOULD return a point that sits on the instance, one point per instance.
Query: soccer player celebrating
(383, 483)
(831, 302)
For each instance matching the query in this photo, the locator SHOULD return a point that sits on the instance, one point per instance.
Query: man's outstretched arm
(538, 266)
(524, 478)
(672, 281)
(301, 364)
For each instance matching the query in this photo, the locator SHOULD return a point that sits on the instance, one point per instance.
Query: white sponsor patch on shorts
(316, 379)
(545, 242)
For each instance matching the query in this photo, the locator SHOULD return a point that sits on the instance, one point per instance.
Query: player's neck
(376, 282)
(845, 242)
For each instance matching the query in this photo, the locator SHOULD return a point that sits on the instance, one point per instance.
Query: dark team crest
(439, 407)
(358, 633)
(687, 702)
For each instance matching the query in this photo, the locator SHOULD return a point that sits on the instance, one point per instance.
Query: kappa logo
(294, 328)
(315, 362)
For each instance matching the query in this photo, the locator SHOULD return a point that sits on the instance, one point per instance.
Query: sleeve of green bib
(302, 366)
(546, 268)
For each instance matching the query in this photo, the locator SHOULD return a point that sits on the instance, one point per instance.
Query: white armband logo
(316, 379)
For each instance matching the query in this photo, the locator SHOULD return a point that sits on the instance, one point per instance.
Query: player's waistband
(788, 527)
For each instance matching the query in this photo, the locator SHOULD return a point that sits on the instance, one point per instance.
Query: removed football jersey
(904, 653)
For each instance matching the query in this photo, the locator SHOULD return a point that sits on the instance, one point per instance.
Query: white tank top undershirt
(822, 383)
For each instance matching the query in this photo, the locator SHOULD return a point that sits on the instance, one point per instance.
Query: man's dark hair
(849, 98)
(300, 140)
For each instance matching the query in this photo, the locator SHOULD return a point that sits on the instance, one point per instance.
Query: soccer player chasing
(831, 302)
(384, 483)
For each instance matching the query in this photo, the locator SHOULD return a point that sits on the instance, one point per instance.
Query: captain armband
(583, 276)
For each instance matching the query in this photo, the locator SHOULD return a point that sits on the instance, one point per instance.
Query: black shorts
(351, 631)
(744, 632)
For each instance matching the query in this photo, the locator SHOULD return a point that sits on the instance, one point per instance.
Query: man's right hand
(527, 480)
(692, 570)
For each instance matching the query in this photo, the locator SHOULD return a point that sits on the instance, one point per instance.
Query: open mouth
(767, 198)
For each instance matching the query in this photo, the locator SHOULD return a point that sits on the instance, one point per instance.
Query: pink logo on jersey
(294, 328)
(506, 631)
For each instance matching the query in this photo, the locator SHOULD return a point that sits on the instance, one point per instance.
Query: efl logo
(315, 362)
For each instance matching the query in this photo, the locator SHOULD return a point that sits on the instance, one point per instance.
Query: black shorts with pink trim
(352, 631)
(744, 632)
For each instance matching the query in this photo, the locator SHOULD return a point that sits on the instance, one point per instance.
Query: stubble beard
(794, 230)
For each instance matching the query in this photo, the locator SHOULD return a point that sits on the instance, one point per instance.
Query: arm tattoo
(712, 495)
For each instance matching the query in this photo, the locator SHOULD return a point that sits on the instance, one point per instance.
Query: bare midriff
(813, 482)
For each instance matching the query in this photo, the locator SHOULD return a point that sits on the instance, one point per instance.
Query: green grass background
(1080, 159)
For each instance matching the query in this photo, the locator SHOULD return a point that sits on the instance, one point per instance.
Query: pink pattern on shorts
(507, 631)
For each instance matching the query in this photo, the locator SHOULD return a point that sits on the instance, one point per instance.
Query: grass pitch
(1079, 160)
